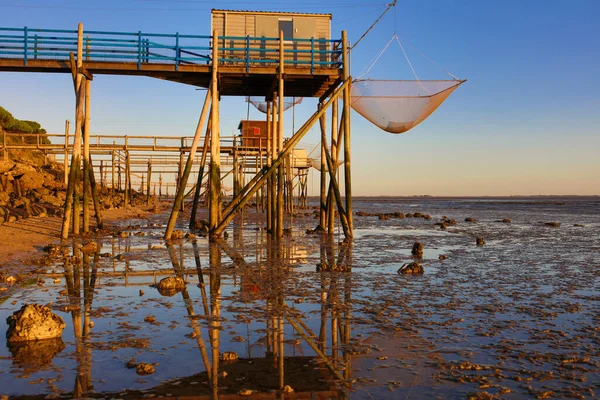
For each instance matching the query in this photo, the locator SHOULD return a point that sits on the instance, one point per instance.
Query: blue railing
(174, 49)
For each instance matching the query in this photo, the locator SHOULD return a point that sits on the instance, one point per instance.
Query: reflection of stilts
(81, 330)
(278, 311)
(179, 271)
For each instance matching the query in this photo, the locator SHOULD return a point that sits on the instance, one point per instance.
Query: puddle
(518, 315)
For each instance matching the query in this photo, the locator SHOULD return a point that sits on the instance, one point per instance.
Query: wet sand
(515, 318)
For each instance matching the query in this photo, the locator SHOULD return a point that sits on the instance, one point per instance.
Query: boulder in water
(417, 250)
(34, 322)
(412, 268)
(170, 286)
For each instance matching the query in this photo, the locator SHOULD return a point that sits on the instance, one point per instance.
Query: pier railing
(171, 49)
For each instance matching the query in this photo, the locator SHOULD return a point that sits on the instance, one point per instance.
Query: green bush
(10, 123)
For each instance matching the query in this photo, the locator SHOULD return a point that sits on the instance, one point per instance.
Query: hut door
(287, 26)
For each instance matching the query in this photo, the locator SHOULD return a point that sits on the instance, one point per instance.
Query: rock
(144, 369)
(34, 322)
(418, 215)
(443, 257)
(552, 224)
(443, 226)
(190, 236)
(89, 248)
(150, 318)
(417, 250)
(11, 280)
(177, 234)
(383, 217)
(288, 389)
(506, 221)
(170, 286)
(131, 364)
(479, 241)
(412, 268)
(229, 356)
(427, 217)
(579, 225)
(470, 219)
(141, 292)
(245, 392)
(32, 180)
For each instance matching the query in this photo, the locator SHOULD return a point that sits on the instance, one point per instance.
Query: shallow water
(517, 317)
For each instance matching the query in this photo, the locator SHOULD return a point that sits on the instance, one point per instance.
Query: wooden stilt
(215, 145)
(347, 144)
(280, 133)
(188, 167)
(86, 158)
(127, 179)
(112, 172)
(148, 182)
(200, 174)
(334, 146)
(95, 195)
(66, 160)
(269, 150)
(323, 175)
(72, 207)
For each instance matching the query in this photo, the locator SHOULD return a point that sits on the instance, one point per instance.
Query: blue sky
(526, 122)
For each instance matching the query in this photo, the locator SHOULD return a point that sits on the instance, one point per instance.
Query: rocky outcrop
(34, 322)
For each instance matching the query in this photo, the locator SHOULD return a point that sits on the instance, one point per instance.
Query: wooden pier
(276, 64)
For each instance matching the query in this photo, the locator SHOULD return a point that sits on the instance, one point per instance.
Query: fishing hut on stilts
(269, 56)
(273, 56)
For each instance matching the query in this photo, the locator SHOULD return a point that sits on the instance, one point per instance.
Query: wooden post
(280, 178)
(323, 175)
(159, 187)
(86, 159)
(66, 160)
(215, 145)
(179, 177)
(269, 150)
(112, 173)
(334, 152)
(200, 174)
(95, 195)
(347, 147)
(273, 179)
(188, 168)
(127, 179)
(148, 182)
(72, 207)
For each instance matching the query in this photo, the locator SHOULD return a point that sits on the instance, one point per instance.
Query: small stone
(144, 369)
(238, 339)
(553, 224)
(470, 219)
(229, 356)
(443, 257)
(11, 280)
(150, 319)
(56, 281)
(190, 236)
(480, 241)
(141, 292)
(412, 268)
(89, 247)
(177, 234)
(245, 392)
(417, 250)
(288, 389)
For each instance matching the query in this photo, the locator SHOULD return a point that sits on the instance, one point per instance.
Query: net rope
(399, 105)
(261, 105)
